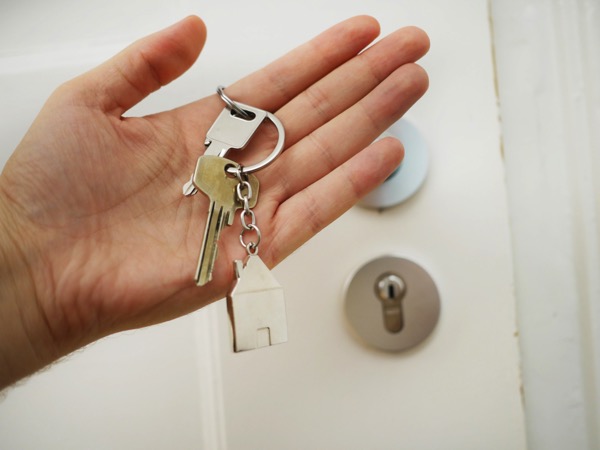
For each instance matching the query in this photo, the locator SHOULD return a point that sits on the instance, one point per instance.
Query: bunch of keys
(255, 302)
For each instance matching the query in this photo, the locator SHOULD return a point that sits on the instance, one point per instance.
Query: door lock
(392, 304)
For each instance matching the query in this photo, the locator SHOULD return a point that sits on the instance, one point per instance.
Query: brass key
(229, 131)
(212, 179)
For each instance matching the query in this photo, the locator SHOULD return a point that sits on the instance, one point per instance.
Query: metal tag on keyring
(256, 306)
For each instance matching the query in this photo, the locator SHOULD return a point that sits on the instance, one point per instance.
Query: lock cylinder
(390, 289)
(392, 304)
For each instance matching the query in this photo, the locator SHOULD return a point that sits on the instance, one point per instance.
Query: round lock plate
(397, 319)
(411, 174)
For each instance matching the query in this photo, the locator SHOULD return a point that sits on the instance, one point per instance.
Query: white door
(178, 385)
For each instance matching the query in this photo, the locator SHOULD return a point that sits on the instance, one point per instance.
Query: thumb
(143, 67)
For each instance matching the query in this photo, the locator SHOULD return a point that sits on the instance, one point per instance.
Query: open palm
(109, 239)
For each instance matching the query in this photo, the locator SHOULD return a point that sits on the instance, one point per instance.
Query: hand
(98, 237)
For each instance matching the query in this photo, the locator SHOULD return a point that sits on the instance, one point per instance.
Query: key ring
(274, 154)
(232, 105)
(239, 109)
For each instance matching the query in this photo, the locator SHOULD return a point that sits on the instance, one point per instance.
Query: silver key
(189, 188)
(256, 306)
(229, 131)
(211, 178)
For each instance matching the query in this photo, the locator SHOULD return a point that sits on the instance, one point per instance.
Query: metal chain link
(244, 194)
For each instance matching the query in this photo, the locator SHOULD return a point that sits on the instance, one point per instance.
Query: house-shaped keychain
(256, 306)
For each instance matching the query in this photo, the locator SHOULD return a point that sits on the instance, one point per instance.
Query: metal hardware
(256, 306)
(408, 178)
(211, 179)
(390, 290)
(276, 150)
(232, 105)
(392, 304)
(243, 111)
(244, 194)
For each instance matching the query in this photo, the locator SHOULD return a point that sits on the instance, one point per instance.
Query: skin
(95, 236)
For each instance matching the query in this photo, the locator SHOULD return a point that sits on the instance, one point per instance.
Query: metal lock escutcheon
(392, 304)
(409, 177)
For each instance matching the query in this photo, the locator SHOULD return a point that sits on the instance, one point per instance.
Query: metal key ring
(274, 154)
(232, 105)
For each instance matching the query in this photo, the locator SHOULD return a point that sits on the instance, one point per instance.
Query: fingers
(349, 83)
(273, 86)
(342, 137)
(142, 68)
(315, 82)
(326, 173)
(276, 84)
(312, 209)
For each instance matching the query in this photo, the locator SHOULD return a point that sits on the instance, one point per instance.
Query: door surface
(178, 385)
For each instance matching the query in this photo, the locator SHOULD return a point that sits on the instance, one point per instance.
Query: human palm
(109, 239)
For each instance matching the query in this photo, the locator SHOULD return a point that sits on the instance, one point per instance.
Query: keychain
(255, 302)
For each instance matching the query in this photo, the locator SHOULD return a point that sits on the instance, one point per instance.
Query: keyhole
(390, 289)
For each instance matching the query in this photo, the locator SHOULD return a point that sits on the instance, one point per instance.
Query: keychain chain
(244, 194)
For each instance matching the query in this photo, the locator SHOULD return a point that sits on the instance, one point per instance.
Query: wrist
(26, 340)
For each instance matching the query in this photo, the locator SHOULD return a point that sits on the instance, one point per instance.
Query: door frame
(547, 69)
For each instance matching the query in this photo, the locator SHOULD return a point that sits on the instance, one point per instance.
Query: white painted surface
(137, 390)
(548, 55)
(461, 389)
(185, 389)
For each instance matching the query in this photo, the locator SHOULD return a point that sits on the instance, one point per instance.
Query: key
(229, 132)
(256, 306)
(211, 178)
(189, 188)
